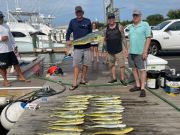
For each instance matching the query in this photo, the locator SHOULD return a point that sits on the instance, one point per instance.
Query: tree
(174, 14)
(126, 22)
(155, 19)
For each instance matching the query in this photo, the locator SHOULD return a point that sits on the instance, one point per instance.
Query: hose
(164, 99)
(89, 85)
(34, 96)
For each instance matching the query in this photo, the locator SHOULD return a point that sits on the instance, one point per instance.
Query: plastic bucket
(163, 75)
(172, 84)
(153, 79)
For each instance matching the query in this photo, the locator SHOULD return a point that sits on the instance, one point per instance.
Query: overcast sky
(63, 10)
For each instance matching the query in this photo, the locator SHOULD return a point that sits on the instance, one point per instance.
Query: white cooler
(156, 63)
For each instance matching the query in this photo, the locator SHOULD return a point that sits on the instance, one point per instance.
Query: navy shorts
(136, 61)
(8, 59)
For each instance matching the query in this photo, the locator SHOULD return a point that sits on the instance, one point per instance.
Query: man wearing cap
(140, 39)
(80, 27)
(115, 39)
(7, 55)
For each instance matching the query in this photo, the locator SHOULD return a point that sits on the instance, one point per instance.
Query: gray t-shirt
(7, 46)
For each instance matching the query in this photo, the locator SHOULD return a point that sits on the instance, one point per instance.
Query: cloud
(64, 9)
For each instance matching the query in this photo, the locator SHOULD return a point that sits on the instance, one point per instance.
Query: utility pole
(109, 7)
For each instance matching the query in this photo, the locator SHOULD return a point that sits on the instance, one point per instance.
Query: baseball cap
(111, 15)
(1, 14)
(136, 12)
(78, 9)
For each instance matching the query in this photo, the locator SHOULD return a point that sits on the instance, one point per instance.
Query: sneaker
(123, 83)
(134, 89)
(142, 93)
(112, 81)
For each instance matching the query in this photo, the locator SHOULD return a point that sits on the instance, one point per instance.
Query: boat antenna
(7, 6)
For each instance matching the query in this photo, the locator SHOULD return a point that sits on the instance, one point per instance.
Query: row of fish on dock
(88, 115)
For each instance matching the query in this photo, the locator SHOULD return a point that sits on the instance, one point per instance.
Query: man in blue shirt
(140, 39)
(80, 27)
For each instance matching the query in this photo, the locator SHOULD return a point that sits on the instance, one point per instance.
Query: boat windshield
(161, 25)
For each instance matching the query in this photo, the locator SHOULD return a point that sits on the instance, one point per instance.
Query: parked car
(126, 30)
(166, 36)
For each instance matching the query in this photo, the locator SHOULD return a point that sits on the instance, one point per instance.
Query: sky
(63, 10)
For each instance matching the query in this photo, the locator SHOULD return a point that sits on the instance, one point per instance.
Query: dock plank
(148, 116)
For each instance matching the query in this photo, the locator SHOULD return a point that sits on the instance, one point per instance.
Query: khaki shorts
(119, 58)
(82, 57)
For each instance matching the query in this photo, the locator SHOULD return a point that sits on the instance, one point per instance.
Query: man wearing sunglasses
(80, 27)
(7, 55)
(140, 39)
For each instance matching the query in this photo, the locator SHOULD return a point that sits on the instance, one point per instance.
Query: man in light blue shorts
(140, 39)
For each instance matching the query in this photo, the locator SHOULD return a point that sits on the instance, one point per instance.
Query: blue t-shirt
(138, 35)
(79, 30)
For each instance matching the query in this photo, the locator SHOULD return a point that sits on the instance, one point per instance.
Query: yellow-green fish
(68, 120)
(72, 108)
(105, 114)
(104, 122)
(92, 37)
(115, 118)
(113, 107)
(114, 132)
(67, 123)
(63, 133)
(109, 111)
(66, 128)
(105, 104)
(68, 116)
(104, 101)
(108, 126)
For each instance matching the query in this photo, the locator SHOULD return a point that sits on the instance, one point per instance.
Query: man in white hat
(140, 39)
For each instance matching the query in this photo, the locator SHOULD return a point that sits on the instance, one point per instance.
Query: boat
(29, 65)
(24, 25)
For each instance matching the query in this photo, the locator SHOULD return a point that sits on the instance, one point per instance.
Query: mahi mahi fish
(66, 128)
(104, 114)
(114, 132)
(107, 122)
(115, 118)
(63, 133)
(108, 126)
(92, 37)
(68, 116)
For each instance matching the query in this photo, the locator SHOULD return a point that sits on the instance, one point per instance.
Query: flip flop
(7, 84)
(84, 83)
(73, 87)
(26, 81)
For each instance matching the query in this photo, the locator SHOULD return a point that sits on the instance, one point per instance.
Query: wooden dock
(148, 116)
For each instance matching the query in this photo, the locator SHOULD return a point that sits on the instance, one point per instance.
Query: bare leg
(113, 70)
(76, 74)
(97, 54)
(135, 73)
(19, 72)
(84, 73)
(92, 53)
(4, 75)
(143, 79)
(122, 73)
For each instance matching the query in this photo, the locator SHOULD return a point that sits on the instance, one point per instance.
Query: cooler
(156, 63)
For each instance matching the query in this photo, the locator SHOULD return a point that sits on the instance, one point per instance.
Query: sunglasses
(136, 15)
(111, 18)
(77, 12)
